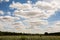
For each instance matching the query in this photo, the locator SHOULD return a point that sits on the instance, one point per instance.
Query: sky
(30, 16)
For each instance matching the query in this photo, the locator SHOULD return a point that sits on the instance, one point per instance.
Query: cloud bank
(35, 16)
(40, 9)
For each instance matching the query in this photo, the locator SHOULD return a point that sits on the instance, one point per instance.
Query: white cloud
(7, 0)
(8, 24)
(55, 27)
(1, 26)
(20, 5)
(40, 9)
(34, 14)
(1, 12)
(4, 0)
(36, 24)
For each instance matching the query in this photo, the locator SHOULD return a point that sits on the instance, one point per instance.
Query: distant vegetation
(13, 33)
(53, 34)
(25, 36)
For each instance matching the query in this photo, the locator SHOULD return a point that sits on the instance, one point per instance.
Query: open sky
(30, 16)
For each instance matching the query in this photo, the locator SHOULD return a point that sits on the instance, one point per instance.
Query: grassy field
(29, 37)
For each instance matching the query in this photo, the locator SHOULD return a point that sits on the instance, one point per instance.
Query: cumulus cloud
(7, 0)
(36, 24)
(1, 12)
(20, 5)
(4, 0)
(55, 27)
(8, 23)
(41, 9)
(34, 15)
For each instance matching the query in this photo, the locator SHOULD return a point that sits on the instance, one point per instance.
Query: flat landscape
(24, 37)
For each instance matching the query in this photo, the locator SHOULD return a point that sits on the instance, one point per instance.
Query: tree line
(53, 34)
(13, 33)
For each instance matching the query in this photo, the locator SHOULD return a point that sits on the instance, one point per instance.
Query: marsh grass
(29, 37)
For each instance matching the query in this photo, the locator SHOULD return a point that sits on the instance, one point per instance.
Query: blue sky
(52, 13)
(55, 17)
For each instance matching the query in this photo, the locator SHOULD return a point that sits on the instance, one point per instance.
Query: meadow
(25, 37)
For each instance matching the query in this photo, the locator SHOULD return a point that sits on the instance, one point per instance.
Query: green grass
(29, 38)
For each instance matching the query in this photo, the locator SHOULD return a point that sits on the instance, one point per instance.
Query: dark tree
(46, 33)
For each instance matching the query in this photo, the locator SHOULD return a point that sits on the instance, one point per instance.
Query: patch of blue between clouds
(55, 17)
